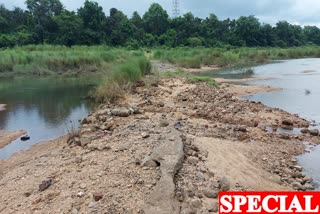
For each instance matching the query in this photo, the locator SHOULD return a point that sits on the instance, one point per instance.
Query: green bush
(120, 77)
(208, 80)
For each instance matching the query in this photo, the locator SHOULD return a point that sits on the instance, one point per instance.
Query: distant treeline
(48, 22)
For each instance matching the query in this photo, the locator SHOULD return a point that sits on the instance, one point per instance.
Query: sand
(242, 90)
(309, 71)
(203, 69)
(222, 80)
(6, 137)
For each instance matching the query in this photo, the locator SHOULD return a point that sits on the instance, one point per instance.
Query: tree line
(49, 22)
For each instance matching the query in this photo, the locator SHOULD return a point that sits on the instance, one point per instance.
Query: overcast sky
(303, 12)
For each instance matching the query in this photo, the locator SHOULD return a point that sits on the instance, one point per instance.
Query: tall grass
(226, 57)
(47, 59)
(120, 78)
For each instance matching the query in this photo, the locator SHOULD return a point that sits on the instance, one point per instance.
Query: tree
(94, 22)
(156, 20)
(149, 40)
(47, 21)
(289, 35)
(92, 15)
(137, 20)
(248, 30)
(169, 39)
(42, 9)
(268, 36)
(211, 30)
(69, 28)
(186, 26)
(312, 34)
(4, 22)
(119, 28)
(42, 12)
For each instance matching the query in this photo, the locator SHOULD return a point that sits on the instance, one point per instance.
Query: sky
(302, 12)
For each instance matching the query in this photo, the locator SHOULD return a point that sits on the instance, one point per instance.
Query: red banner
(269, 202)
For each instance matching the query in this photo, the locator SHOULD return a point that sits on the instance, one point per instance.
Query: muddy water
(300, 80)
(45, 107)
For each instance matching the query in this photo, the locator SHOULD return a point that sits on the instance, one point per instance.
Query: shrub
(208, 80)
(120, 77)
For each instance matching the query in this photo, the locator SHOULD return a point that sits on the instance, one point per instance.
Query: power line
(175, 8)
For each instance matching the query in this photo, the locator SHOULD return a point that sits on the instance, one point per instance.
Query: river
(46, 107)
(300, 81)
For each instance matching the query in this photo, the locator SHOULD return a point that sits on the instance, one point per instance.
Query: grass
(120, 78)
(208, 80)
(229, 57)
(47, 59)
(171, 74)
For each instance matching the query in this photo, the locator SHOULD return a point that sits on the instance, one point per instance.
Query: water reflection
(42, 106)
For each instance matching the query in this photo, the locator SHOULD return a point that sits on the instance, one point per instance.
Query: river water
(46, 107)
(300, 81)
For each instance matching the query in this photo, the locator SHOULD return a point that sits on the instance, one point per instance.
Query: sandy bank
(7, 137)
(202, 69)
(2, 107)
(309, 71)
(242, 90)
(222, 80)
(213, 124)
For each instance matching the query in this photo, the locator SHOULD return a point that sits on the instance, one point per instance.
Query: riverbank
(136, 135)
(243, 90)
(6, 137)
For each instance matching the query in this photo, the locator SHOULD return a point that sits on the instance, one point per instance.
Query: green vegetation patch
(208, 80)
(169, 74)
(48, 59)
(120, 78)
(231, 57)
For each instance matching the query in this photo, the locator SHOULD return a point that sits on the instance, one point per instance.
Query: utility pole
(175, 8)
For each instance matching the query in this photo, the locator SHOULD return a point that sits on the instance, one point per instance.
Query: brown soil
(226, 145)
(7, 137)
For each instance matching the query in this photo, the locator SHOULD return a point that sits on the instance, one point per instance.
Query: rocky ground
(169, 147)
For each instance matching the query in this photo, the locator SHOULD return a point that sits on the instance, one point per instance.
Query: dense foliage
(47, 21)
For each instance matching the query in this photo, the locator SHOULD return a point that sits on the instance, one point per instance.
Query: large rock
(224, 184)
(121, 112)
(287, 123)
(305, 131)
(45, 185)
(170, 156)
(314, 132)
(209, 193)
